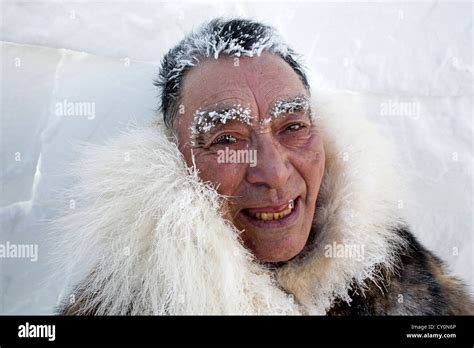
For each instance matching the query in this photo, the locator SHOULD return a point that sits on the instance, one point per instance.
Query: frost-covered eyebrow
(290, 106)
(209, 118)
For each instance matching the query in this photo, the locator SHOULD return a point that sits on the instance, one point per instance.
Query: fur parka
(146, 236)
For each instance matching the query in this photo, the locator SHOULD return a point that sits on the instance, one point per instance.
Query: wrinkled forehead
(256, 83)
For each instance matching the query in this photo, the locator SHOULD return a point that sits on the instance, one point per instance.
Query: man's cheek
(226, 177)
(316, 149)
(309, 164)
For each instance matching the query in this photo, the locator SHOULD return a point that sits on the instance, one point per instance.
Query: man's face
(248, 125)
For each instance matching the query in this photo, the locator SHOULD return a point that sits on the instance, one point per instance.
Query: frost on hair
(236, 37)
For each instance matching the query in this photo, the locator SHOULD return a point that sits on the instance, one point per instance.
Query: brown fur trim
(420, 287)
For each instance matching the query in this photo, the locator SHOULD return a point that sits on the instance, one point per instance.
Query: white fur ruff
(148, 235)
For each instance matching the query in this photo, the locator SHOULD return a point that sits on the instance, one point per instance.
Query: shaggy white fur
(148, 236)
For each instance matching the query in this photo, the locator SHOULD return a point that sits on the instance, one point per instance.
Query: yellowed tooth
(273, 216)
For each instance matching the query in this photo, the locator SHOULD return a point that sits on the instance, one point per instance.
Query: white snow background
(108, 53)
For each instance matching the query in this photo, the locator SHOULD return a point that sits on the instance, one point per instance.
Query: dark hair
(236, 37)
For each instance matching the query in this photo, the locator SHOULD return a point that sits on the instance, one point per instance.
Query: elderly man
(252, 199)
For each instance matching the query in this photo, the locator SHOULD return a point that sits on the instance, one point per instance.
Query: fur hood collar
(146, 237)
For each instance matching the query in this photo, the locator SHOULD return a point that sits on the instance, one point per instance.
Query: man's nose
(273, 168)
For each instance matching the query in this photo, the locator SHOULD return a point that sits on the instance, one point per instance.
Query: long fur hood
(146, 236)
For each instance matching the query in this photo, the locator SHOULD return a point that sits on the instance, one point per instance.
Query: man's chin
(282, 255)
(278, 247)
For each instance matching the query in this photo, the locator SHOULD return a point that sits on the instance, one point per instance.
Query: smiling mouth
(277, 216)
(269, 215)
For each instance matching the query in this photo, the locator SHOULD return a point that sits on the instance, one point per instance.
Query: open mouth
(276, 216)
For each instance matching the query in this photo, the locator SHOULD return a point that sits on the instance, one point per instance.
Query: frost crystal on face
(204, 121)
(287, 106)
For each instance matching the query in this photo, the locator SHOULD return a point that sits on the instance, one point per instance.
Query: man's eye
(225, 139)
(295, 127)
